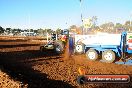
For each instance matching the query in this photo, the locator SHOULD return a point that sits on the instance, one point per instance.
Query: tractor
(54, 45)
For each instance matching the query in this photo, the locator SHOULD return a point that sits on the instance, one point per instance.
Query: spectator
(71, 45)
(63, 39)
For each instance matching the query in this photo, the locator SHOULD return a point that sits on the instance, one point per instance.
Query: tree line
(109, 27)
(39, 31)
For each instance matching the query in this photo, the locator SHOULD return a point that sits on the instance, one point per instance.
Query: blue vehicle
(108, 46)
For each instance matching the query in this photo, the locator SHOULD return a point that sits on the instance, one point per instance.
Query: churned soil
(27, 67)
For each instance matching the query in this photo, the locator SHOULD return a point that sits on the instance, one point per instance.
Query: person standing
(71, 45)
(63, 39)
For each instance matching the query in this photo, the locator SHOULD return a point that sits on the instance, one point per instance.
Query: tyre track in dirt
(18, 62)
(20, 69)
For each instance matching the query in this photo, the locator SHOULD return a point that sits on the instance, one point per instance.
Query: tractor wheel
(79, 49)
(92, 54)
(108, 56)
(59, 48)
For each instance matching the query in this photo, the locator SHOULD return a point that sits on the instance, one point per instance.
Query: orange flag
(81, 71)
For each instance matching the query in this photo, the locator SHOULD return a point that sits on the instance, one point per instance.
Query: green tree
(35, 31)
(107, 27)
(15, 31)
(8, 30)
(73, 28)
(94, 21)
(128, 25)
(111, 27)
(40, 31)
(31, 30)
(58, 31)
(49, 31)
(1, 30)
(118, 26)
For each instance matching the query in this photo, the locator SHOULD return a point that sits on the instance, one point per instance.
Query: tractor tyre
(59, 47)
(92, 54)
(79, 48)
(108, 56)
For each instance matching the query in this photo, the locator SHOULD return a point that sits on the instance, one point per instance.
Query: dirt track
(28, 67)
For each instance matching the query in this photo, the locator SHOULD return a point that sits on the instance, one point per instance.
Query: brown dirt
(26, 66)
(7, 82)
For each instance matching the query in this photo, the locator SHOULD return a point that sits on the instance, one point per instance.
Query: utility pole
(81, 15)
(81, 9)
